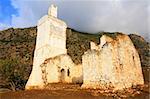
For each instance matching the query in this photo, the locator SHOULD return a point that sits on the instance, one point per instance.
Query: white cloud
(148, 36)
(4, 26)
(128, 16)
(29, 12)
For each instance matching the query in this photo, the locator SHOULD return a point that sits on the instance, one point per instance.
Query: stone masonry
(114, 63)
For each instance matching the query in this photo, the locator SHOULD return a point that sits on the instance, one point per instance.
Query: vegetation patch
(17, 51)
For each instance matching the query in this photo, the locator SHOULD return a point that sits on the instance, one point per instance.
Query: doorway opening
(62, 75)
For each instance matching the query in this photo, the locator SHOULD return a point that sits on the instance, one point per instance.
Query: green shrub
(13, 73)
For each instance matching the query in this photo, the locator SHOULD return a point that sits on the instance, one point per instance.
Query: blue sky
(6, 12)
(127, 16)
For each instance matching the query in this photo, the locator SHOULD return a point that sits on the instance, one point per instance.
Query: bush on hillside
(13, 74)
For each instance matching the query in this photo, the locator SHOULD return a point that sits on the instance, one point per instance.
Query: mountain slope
(17, 50)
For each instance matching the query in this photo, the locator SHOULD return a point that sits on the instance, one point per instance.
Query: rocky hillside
(16, 56)
(143, 49)
(17, 49)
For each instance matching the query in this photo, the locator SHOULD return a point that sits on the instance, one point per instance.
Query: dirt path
(73, 91)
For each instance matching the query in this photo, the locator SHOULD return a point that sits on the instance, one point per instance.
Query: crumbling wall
(61, 69)
(94, 46)
(116, 65)
(91, 69)
(54, 67)
(77, 74)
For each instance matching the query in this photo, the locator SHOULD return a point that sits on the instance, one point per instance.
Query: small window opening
(68, 72)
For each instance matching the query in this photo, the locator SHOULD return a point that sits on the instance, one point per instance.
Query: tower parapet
(52, 11)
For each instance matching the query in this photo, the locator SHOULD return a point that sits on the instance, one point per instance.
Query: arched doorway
(62, 75)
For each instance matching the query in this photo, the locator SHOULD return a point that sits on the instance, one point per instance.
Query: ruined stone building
(113, 63)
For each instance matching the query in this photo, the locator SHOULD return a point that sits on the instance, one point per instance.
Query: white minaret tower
(50, 42)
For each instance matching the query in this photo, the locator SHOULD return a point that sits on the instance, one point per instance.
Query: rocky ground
(74, 91)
